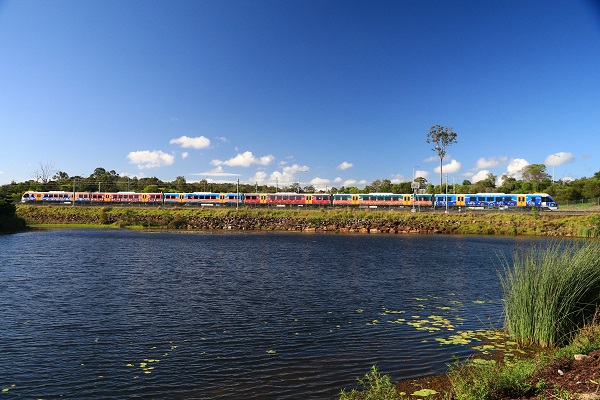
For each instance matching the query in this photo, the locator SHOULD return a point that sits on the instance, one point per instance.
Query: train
(361, 200)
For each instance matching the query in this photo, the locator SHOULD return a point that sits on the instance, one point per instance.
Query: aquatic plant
(549, 292)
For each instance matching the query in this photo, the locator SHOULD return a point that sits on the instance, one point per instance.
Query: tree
(441, 137)
(535, 173)
(44, 172)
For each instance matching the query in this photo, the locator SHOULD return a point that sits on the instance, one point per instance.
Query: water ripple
(117, 314)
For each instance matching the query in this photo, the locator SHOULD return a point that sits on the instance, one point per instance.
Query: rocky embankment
(343, 221)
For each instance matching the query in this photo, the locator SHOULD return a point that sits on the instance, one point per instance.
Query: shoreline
(316, 221)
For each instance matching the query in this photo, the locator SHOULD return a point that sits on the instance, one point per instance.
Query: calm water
(102, 314)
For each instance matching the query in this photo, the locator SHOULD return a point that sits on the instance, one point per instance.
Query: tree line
(534, 179)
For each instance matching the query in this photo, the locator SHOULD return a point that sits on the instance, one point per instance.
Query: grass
(373, 386)
(492, 380)
(493, 223)
(550, 292)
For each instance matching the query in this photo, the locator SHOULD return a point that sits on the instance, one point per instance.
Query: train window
(490, 199)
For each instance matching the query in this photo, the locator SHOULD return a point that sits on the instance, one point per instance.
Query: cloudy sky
(325, 92)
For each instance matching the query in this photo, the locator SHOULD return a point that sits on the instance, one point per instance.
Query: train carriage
(152, 198)
(173, 198)
(449, 200)
(318, 199)
(340, 199)
(255, 198)
(369, 200)
(232, 198)
(201, 198)
(286, 199)
(422, 200)
(375, 200)
(125, 197)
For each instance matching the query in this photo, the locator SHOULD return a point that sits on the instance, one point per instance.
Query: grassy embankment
(551, 299)
(322, 220)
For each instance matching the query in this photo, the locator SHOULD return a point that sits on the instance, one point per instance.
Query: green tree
(441, 137)
(534, 173)
(180, 184)
(9, 222)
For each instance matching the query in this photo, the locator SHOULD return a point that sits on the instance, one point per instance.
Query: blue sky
(331, 93)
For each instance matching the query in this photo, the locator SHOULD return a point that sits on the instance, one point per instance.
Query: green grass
(550, 292)
(373, 386)
(492, 380)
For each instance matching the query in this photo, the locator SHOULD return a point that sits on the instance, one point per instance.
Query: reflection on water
(117, 314)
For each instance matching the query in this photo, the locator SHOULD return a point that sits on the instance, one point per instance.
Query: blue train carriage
(202, 198)
(449, 200)
(173, 198)
(490, 200)
(231, 198)
(537, 200)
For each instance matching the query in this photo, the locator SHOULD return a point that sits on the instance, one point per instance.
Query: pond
(101, 314)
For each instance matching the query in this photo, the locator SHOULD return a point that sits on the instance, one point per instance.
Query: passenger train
(362, 200)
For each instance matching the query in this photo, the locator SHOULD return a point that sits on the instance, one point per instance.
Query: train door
(460, 200)
(355, 198)
(263, 199)
(309, 199)
(521, 200)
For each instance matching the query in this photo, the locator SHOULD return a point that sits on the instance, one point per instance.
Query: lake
(102, 314)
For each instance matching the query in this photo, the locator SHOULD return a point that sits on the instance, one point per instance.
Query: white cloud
(484, 163)
(338, 179)
(345, 165)
(559, 158)
(421, 174)
(197, 143)
(451, 168)
(245, 159)
(515, 166)
(216, 172)
(354, 183)
(320, 183)
(185, 155)
(398, 178)
(481, 175)
(259, 177)
(150, 159)
(432, 159)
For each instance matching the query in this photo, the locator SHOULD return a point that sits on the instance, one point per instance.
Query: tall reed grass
(551, 291)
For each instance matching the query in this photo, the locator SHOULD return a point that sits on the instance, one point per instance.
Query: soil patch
(564, 379)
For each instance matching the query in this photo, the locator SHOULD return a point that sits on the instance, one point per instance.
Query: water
(102, 314)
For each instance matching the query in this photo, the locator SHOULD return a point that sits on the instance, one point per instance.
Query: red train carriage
(255, 198)
(286, 199)
(318, 199)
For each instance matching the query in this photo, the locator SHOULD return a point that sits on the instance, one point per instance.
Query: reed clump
(551, 291)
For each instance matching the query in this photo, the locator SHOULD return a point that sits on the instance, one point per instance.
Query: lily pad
(424, 392)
